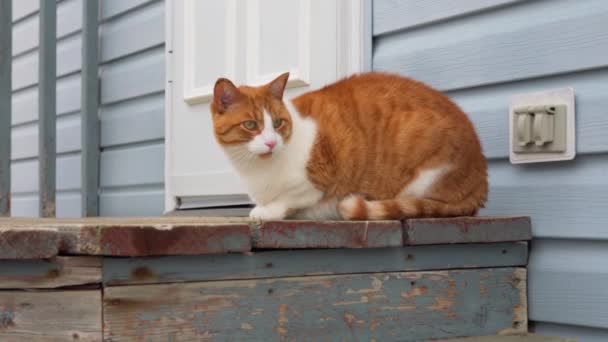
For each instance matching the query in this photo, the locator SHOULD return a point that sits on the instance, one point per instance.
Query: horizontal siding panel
(141, 119)
(132, 77)
(565, 200)
(69, 55)
(488, 107)
(393, 15)
(132, 166)
(68, 205)
(581, 334)
(125, 202)
(447, 61)
(69, 20)
(111, 8)
(25, 174)
(23, 8)
(25, 102)
(568, 282)
(129, 34)
(25, 138)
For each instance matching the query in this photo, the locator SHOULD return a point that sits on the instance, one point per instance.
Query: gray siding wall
(482, 51)
(131, 112)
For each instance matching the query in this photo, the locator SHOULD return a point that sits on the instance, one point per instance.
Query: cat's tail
(355, 207)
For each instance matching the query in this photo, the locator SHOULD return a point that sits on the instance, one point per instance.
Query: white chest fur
(280, 182)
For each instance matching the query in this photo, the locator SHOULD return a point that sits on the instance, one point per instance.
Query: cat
(372, 146)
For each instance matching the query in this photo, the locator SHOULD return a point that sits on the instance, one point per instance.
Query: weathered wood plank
(142, 236)
(334, 234)
(289, 263)
(54, 273)
(182, 235)
(382, 306)
(28, 243)
(50, 316)
(466, 230)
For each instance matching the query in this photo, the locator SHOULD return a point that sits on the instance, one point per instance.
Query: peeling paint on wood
(28, 243)
(466, 230)
(143, 237)
(156, 236)
(289, 263)
(324, 234)
(50, 316)
(53, 273)
(382, 306)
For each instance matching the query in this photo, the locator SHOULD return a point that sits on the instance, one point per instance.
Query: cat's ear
(277, 86)
(225, 94)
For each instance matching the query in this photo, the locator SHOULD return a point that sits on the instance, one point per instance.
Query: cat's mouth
(265, 155)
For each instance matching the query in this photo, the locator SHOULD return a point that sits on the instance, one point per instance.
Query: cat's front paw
(267, 213)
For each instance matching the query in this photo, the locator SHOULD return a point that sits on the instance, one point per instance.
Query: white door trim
(170, 201)
(354, 27)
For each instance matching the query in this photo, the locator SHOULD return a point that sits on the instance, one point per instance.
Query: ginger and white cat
(373, 146)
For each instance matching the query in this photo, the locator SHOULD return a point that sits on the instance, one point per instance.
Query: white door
(249, 42)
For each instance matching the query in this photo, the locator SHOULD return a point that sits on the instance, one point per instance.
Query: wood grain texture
(337, 234)
(139, 236)
(267, 264)
(53, 273)
(466, 230)
(414, 305)
(393, 15)
(28, 243)
(50, 316)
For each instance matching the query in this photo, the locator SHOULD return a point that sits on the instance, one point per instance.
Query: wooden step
(202, 278)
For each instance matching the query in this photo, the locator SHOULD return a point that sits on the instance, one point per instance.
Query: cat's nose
(271, 144)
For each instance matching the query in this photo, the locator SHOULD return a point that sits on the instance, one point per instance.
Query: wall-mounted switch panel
(542, 127)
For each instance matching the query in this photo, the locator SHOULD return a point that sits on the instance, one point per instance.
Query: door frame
(354, 54)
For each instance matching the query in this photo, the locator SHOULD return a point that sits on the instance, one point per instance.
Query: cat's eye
(250, 124)
(277, 123)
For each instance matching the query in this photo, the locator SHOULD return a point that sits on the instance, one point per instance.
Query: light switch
(542, 126)
(524, 129)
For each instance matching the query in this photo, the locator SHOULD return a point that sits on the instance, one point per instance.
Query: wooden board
(28, 243)
(433, 231)
(324, 234)
(382, 306)
(184, 235)
(50, 316)
(53, 273)
(267, 264)
(137, 236)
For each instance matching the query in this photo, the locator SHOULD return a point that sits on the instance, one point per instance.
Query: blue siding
(482, 52)
(132, 107)
(25, 108)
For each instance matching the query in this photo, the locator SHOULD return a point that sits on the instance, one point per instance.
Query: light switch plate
(567, 149)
